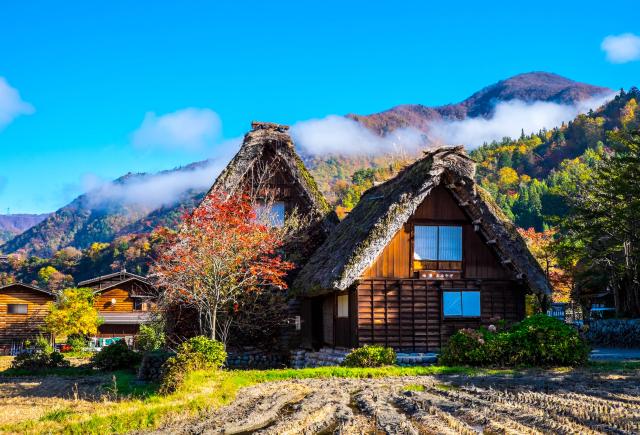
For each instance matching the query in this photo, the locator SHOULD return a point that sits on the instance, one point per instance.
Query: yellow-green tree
(73, 314)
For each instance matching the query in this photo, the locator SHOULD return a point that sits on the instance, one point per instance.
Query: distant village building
(124, 301)
(23, 308)
(421, 256)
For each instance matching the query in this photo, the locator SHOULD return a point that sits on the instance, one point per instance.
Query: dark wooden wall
(407, 314)
(18, 327)
(479, 260)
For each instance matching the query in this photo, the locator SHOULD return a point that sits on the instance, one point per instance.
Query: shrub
(197, 353)
(151, 337)
(151, 365)
(116, 356)
(370, 356)
(539, 340)
(543, 341)
(614, 333)
(77, 342)
(40, 356)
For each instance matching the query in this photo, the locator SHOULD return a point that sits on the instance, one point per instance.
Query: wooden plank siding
(406, 314)
(396, 309)
(124, 302)
(19, 327)
(479, 261)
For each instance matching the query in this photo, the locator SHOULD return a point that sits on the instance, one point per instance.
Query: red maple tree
(222, 251)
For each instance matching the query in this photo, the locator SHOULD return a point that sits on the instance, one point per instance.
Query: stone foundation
(334, 357)
(241, 359)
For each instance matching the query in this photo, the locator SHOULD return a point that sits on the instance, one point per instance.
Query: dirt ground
(32, 398)
(534, 403)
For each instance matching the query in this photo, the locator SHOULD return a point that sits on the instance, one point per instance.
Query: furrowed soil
(572, 402)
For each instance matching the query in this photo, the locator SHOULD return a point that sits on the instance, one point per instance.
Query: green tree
(73, 314)
(603, 227)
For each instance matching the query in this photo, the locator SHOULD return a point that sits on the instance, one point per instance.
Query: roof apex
(260, 125)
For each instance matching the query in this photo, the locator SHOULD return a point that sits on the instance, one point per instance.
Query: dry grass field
(28, 398)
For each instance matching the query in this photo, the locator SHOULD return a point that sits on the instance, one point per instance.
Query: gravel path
(563, 403)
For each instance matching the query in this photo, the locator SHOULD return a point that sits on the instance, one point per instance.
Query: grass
(133, 406)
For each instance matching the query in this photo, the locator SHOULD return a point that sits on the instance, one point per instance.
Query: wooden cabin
(23, 308)
(124, 301)
(421, 256)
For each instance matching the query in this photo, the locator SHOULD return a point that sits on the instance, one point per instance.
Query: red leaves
(222, 244)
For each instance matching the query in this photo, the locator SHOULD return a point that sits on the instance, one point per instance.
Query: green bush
(77, 342)
(539, 340)
(40, 356)
(614, 333)
(116, 356)
(370, 356)
(151, 337)
(197, 353)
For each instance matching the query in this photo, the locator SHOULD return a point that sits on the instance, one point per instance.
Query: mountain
(133, 203)
(529, 87)
(14, 224)
(137, 203)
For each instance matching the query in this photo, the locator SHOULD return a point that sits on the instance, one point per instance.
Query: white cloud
(509, 119)
(190, 128)
(621, 48)
(11, 105)
(161, 189)
(339, 135)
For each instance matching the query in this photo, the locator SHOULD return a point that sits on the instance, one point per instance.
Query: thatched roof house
(421, 256)
(267, 160)
(384, 209)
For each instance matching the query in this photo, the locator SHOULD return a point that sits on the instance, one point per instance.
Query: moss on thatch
(355, 243)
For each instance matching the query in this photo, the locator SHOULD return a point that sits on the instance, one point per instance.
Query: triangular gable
(27, 287)
(383, 210)
(109, 279)
(272, 140)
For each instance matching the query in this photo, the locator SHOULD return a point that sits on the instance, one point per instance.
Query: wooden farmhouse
(23, 308)
(421, 256)
(124, 301)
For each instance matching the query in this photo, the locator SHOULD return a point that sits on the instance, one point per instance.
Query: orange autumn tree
(222, 251)
(541, 245)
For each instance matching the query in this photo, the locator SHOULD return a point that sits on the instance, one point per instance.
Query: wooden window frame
(338, 316)
(18, 314)
(439, 223)
(460, 290)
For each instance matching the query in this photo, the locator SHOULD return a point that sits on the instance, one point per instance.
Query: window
(461, 303)
(437, 247)
(17, 309)
(343, 306)
(274, 213)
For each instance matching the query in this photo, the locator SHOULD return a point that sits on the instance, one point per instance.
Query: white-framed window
(343, 306)
(437, 243)
(461, 303)
(17, 308)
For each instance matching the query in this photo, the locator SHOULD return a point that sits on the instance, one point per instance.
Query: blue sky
(92, 71)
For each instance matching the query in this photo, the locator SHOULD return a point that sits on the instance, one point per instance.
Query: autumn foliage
(222, 252)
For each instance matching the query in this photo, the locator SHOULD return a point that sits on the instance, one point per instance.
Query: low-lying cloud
(508, 120)
(189, 129)
(343, 136)
(11, 104)
(161, 189)
(621, 48)
(339, 135)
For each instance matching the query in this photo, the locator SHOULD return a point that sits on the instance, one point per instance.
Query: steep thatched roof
(272, 138)
(356, 242)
